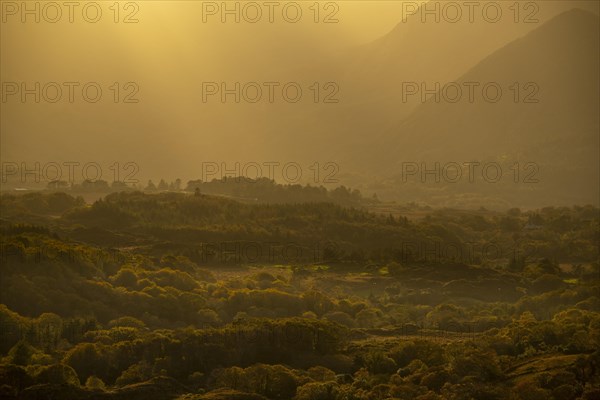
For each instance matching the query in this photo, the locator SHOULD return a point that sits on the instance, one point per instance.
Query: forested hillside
(198, 297)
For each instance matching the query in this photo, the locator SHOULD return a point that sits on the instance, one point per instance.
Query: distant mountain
(371, 76)
(171, 131)
(559, 132)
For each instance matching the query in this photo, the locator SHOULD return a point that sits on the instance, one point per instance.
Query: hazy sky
(167, 54)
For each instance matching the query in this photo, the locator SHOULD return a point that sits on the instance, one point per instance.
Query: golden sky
(168, 53)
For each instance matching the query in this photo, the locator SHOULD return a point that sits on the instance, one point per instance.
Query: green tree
(21, 353)
(95, 383)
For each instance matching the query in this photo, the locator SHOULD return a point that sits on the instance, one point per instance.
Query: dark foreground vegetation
(172, 295)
